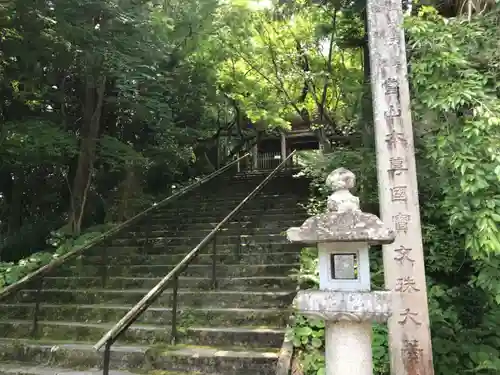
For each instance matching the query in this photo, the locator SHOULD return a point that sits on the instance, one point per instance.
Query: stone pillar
(283, 146)
(410, 344)
(343, 235)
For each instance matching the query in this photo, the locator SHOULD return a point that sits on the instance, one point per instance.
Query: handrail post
(214, 263)
(106, 358)
(175, 287)
(255, 157)
(147, 240)
(243, 231)
(36, 310)
(238, 244)
(104, 266)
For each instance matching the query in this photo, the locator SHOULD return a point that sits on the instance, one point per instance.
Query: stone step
(194, 226)
(187, 298)
(97, 313)
(24, 369)
(147, 334)
(221, 212)
(212, 361)
(230, 258)
(227, 206)
(285, 223)
(261, 216)
(197, 238)
(202, 229)
(240, 192)
(196, 270)
(247, 230)
(220, 361)
(188, 232)
(234, 199)
(233, 283)
(160, 248)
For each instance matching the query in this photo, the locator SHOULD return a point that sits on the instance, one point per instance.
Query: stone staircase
(235, 329)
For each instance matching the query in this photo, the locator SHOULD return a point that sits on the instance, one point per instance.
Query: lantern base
(336, 306)
(348, 348)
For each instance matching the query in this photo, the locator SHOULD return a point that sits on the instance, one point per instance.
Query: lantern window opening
(344, 266)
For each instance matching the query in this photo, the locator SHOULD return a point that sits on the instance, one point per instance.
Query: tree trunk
(92, 118)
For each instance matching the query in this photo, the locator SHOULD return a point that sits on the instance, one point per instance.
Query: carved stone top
(345, 306)
(341, 181)
(343, 221)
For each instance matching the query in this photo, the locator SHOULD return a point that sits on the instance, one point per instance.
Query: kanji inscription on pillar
(401, 222)
(399, 193)
(409, 335)
(393, 112)
(406, 284)
(408, 315)
(397, 165)
(395, 138)
(411, 352)
(402, 255)
(391, 86)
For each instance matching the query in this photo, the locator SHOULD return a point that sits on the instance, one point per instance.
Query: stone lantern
(343, 235)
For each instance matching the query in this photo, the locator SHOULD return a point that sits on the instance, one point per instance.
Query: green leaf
(304, 331)
(316, 343)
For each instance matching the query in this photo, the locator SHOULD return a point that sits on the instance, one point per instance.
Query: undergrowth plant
(59, 243)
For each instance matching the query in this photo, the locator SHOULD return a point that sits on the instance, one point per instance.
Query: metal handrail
(7, 291)
(111, 336)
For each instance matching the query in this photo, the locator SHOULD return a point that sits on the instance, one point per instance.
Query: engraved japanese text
(411, 351)
(401, 222)
(382, 6)
(392, 112)
(391, 86)
(406, 285)
(394, 138)
(403, 254)
(407, 316)
(399, 193)
(397, 165)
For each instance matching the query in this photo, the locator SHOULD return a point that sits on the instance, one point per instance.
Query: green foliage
(158, 104)
(60, 244)
(308, 335)
(455, 85)
(279, 67)
(460, 64)
(35, 141)
(308, 273)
